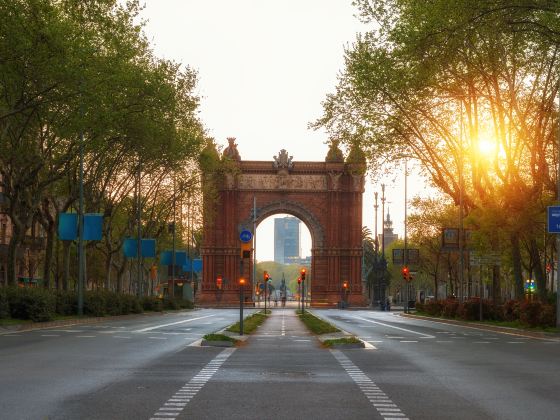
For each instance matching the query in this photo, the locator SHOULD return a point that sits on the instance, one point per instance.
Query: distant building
(390, 236)
(286, 239)
(299, 261)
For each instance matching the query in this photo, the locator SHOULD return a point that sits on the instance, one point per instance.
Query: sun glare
(486, 147)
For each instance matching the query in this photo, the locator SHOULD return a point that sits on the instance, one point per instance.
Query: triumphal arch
(326, 196)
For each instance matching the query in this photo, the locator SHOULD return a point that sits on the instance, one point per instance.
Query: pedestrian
(388, 304)
(284, 301)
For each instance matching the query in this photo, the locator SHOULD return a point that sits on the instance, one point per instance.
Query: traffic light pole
(302, 296)
(241, 287)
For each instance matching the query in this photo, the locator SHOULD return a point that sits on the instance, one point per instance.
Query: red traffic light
(266, 276)
(242, 281)
(299, 280)
(345, 284)
(219, 282)
(302, 272)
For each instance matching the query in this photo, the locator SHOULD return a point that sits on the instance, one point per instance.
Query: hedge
(38, 304)
(531, 314)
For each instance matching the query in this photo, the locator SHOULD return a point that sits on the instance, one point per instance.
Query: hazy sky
(264, 68)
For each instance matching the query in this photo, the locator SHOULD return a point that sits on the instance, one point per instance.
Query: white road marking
(85, 336)
(119, 336)
(172, 323)
(50, 335)
(380, 401)
(408, 341)
(177, 403)
(158, 338)
(392, 326)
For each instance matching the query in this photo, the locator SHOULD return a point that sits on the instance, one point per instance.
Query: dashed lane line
(172, 323)
(177, 403)
(380, 401)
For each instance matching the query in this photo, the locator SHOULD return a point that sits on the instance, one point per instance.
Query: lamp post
(375, 257)
(81, 231)
(241, 290)
(383, 264)
(405, 259)
(558, 235)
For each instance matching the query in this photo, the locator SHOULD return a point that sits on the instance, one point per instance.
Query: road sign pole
(241, 307)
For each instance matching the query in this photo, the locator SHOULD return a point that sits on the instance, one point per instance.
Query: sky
(264, 68)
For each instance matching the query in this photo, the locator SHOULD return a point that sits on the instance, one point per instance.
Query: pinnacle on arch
(334, 155)
(231, 151)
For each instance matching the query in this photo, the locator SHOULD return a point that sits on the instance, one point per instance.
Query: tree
(469, 93)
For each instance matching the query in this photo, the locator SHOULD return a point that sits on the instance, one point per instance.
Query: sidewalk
(281, 372)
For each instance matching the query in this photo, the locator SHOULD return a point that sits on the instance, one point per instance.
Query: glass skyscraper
(286, 239)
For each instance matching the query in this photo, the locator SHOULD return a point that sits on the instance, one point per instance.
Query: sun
(486, 147)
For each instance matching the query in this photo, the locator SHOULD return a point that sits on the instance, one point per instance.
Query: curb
(485, 327)
(342, 334)
(220, 343)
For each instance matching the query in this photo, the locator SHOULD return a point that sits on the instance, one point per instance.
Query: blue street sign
(261, 286)
(245, 236)
(553, 219)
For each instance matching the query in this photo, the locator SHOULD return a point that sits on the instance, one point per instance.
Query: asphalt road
(151, 368)
(440, 371)
(57, 373)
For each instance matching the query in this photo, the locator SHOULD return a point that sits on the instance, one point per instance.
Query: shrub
(32, 303)
(170, 303)
(547, 317)
(470, 310)
(130, 305)
(94, 304)
(530, 313)
(66, 302)
(4, 304)
(433, 308)
(152, 303)
(450, 308)
(420, 307)
(510, 310)
(114, 303)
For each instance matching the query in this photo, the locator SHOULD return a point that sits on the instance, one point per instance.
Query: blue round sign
(245, 236)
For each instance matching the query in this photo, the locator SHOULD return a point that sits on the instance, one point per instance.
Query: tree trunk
(516, 261)
(49, 256)
(538, 270)
(496, 295)
(108, 266)
(65, 264)
(120, 275)
(13, 248)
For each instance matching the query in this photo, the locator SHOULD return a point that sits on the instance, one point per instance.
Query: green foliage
(66, 302)
(152, 303)
(316, 325)
(522, 314)
(219, 337)
(344, 340)
(4, 303)
(250, 323)
(175, 304)
(291, 273)
(39, 304)
(31, 303)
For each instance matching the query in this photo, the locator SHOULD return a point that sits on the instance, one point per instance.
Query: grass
(316, 325)
(345, 340)
(250, 323)
(219, 337)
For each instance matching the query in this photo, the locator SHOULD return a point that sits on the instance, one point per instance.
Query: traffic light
(266, 277)
(245, 250)
(242, 282)
(405, 273)
(345, 285)
(299, 280)
(302, 272)
(219, 282)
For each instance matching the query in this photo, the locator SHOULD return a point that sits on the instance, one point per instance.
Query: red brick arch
(326, 196)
